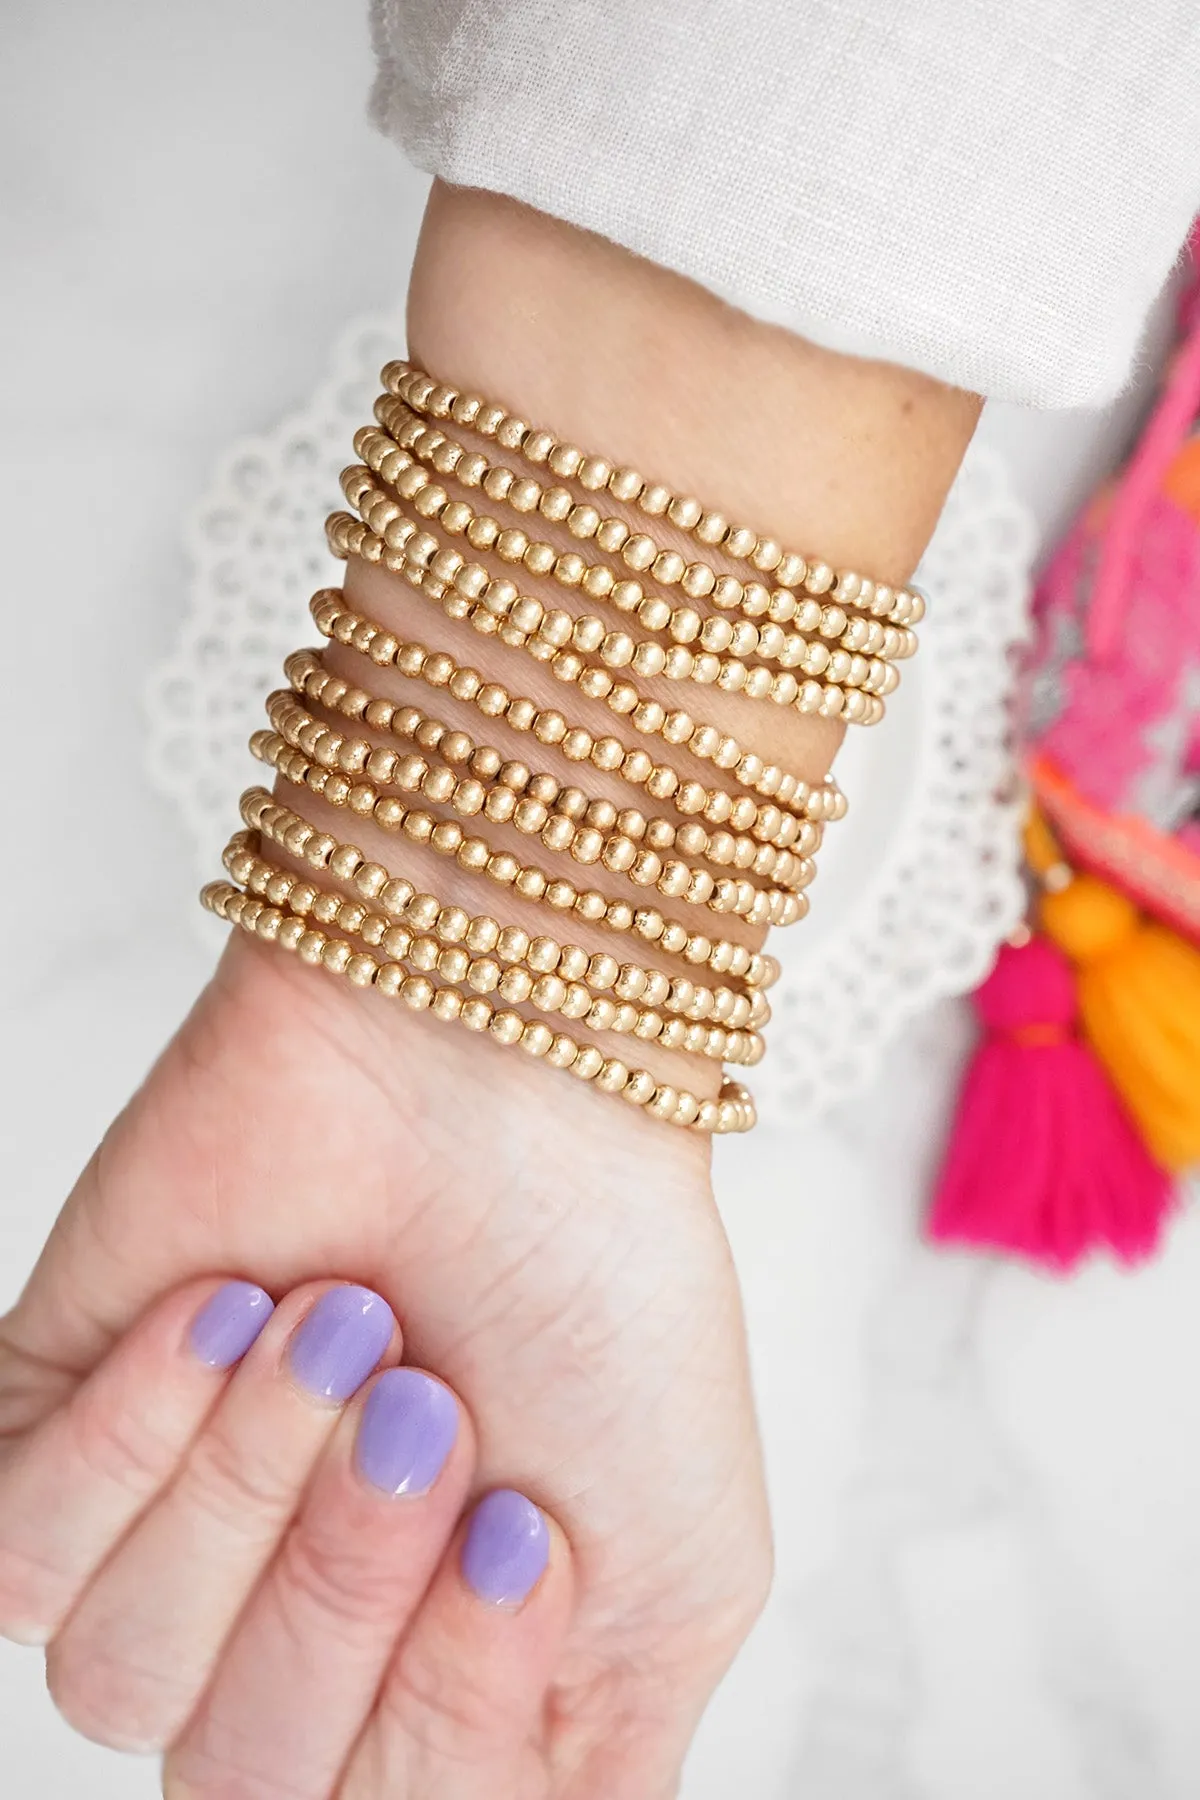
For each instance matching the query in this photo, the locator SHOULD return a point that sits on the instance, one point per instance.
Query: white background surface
(987, 1486)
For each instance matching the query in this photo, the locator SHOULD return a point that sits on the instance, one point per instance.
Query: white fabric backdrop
(993, 193)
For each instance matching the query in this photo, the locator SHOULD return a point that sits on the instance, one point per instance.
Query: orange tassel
(1139, 1001)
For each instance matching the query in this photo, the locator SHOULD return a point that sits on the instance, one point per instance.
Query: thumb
(138, 1221)
(210, 1170)
(78, 1300)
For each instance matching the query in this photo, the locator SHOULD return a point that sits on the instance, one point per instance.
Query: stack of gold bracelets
(793, 632)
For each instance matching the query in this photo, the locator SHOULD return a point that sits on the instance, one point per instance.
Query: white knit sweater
(990, 190)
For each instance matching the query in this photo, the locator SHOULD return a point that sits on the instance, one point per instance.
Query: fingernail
(407, 1431)
(341, 1341)
(507, 1548)
(228, 1324)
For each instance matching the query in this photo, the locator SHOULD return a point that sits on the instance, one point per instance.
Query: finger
(460, 1710)
(72, 1488)
(137, 1653)
(297, 1681)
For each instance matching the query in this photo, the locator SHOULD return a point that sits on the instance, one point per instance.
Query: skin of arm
(557, 1258)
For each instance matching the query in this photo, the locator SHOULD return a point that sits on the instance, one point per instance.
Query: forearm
(829, 454)
(547, 1251)
(849, 458)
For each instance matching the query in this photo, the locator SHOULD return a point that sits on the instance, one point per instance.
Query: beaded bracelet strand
(774, 829)
(400, 467)
(453, 928)
(547, 993)
(732, 1111)
(501, 803)
(437, 571)
(438, 400)
(262, 812)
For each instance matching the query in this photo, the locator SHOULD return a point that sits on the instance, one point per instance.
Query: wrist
(780, 434)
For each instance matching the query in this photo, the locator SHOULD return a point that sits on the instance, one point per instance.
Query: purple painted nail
(228, 1324)
(408, 1428)
(506, 1549)
(341, 1341)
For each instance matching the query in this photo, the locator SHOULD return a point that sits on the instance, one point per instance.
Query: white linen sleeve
(991, 192)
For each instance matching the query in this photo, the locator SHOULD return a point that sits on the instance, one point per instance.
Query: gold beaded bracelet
(733, 1111)
(397, 460)
(262, 812)
(738, 898)
(270, 821)
(453, 928)
(385, 516)
(439, 669)
(310, 679)
(399, 429)
(438, 400)
(547, 993)
(438, 570)
(534, 814)
(770, 819)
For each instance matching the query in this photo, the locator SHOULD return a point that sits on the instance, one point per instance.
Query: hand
(558, 1262)
(374, 1590)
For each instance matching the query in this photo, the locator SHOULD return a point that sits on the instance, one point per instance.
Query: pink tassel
(1043, 1161)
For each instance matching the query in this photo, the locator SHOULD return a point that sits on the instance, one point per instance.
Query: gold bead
(587, 1064)
(361, 971)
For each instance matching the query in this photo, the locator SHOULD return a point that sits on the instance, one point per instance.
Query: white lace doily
(916, 886)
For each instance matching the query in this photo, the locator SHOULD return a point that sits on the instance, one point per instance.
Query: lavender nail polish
(227, 1325)
(507, 1548)
(341, 1341)
(407, 1431)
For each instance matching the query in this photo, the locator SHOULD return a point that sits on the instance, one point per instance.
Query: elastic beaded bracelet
(277, 824)
(532, 814)
(733, 1111)
(401, 434)
(547, 994)
(439, 669)
(348, 536)
(523, 623)
(739, 898)
(261, 812)
(791, 650)
(784, 831)
(400, 903)
(619, 854)
(741, 812)
(438, 400)
(398, 462)
(384, 515)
